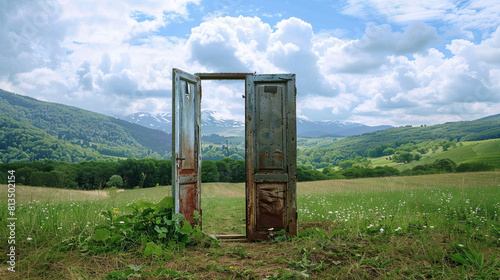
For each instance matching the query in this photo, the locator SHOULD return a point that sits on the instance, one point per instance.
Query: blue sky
(370, 61)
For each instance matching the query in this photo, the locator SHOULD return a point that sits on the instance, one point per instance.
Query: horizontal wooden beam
(223, 76)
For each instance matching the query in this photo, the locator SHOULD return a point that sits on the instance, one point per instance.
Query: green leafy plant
(304, 265)
(154, 225)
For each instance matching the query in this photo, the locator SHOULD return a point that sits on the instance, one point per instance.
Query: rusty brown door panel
(186, 152)
(270, 143)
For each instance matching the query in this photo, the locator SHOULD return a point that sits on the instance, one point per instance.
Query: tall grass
(439, 226)
(473, 211)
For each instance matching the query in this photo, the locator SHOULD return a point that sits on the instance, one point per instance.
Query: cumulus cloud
(31, 36)
(110, 57)
(85, 77)
(462, 16)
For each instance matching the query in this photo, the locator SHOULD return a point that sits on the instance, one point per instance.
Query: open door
(270, 156)
(186, 145)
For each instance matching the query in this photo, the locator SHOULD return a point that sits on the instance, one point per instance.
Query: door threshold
(232, 237)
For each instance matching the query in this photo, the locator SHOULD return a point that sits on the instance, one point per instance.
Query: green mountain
(320, 153)
(33, 130)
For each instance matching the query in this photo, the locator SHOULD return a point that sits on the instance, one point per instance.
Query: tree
(403, 157)
(209, 171)
(444, 164)
(224, 170)
(115, 181)
(346, 164)
(389, 151)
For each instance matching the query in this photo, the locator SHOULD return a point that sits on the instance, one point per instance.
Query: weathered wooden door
(270, 143)
(186, 145)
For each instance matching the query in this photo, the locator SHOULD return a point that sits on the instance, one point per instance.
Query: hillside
(487, 151)
(35, 130)
(386, 142)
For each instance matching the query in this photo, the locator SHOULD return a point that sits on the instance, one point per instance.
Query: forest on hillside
(34, 130)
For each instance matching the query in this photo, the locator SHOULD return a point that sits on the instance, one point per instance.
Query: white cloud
(463, 15)
(31, 36)
(108, 57)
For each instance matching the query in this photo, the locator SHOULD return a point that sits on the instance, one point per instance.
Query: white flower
(122, 222)
(460, 245)
(399, 228)
(29, 238)
(381, 230)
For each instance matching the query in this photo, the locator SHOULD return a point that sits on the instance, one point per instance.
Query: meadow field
(443, 226)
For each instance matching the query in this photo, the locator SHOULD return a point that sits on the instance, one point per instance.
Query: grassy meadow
(443, 226)
(468, 151)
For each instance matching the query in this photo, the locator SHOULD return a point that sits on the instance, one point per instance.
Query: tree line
(130, 173)
(145, 173)
(361, 170)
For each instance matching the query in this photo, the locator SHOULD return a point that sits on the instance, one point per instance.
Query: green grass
(442, 226)
(470, 151)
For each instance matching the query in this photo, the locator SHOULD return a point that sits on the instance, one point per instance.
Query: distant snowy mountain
(213, 123)
(315, 129)
(159, 121)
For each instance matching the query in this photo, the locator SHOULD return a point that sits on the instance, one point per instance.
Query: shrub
(115, 181)
(474, 167)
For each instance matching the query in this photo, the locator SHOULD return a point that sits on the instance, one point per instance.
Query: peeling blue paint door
(186, 151)
(270, 155)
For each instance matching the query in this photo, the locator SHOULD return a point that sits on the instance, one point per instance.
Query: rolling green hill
(33, 130)
(487, 151)
(379, 144)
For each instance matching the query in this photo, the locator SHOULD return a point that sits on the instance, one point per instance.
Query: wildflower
(381, 230)
(29, 238)
(399, 228)
(231, 267)
(461, 245)
(122, 222)
(431, 226)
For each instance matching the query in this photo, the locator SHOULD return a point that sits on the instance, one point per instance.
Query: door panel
(270, 130)
(270, 143)
(271, 200)
(186, 154)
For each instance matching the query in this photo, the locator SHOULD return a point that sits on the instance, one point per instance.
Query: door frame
(250, 201)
